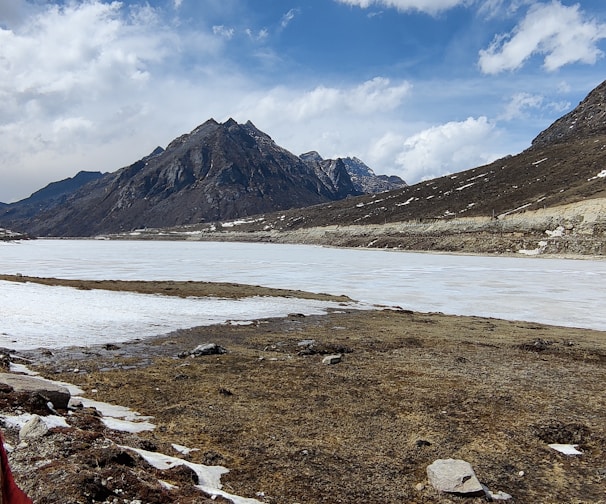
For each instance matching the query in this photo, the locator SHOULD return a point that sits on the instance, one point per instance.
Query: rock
(204, 349)
(332, 359)
(453, 476)
(52, 392)
(34, 428)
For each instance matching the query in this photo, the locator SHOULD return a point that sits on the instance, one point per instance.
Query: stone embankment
(574, 229)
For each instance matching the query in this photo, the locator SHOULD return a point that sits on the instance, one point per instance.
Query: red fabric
(11, 493)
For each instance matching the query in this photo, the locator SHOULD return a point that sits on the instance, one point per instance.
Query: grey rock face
(453, 476)
(52, 392)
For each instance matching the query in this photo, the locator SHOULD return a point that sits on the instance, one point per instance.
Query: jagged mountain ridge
(216, 172)
(557, 169)
(364, 180)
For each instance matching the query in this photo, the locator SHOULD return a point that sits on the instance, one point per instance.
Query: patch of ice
(602, 174)
(36, 315)
(566, 449)
(184, 449)
(209, 477)
(21, 369)
(113, 411)
(460, 188)
(127, 425)
(533, 252)
(18, 421)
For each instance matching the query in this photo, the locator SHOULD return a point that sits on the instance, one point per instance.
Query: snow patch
(18, 421)
(566, 449)
(209, 477)
(556, 233)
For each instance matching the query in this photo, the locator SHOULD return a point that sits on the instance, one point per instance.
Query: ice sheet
(33, 315)
(557, 291)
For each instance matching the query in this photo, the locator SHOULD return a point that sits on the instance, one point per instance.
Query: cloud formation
(441, 149)
(97, 84)
(561, 35)
(427, 6)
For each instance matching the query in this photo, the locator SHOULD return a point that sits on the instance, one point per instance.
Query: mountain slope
(551, 196)
(216, 172)
(565, 164)
(363, 179)
(44, 199)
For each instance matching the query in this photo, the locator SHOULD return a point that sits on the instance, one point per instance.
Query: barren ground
(411, 388)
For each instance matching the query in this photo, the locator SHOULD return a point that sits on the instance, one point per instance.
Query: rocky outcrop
(35, 387)
(361, 178)
(586, 120)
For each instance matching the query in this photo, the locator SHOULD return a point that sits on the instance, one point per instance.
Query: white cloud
(288, 17)
(177, 4)
(374, 95)
(257, 36)
(223, 31)
(561, 34)
(427, 6)
(446, 148)
(519, 103)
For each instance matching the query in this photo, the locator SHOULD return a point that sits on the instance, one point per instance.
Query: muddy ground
(411, 388)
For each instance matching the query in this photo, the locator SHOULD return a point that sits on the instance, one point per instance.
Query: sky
(415, 88)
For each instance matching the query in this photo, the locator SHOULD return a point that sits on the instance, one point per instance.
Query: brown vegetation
(411, 388)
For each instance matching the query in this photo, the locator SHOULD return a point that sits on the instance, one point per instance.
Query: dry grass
(411, 388)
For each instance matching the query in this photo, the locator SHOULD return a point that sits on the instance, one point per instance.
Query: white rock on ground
(453, 476)
(33, 428)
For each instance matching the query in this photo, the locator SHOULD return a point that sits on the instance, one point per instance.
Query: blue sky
(417, 88)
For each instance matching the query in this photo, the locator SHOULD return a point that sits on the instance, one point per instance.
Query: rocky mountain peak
(587, 119)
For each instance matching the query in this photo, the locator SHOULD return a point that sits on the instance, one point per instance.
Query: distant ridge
(217, 171)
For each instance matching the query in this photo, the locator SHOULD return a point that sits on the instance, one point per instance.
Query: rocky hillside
(516, 203)
(364, 180)
(216, 172)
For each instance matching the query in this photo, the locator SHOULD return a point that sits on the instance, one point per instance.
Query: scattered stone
(453, 476)
(204, 349)
(332, 359)
(35, 387)
(419, 487)
(421, 443)
(538, 345)
(499, 496)
(32, 429)
(306, 343)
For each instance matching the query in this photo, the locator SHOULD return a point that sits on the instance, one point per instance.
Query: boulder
(453, 476)
(52, 392)
(204, 349)
(33, 428)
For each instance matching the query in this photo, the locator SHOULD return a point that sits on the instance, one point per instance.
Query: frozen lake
(555, 291)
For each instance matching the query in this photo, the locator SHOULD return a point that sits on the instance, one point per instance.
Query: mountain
(216, 172)
(552, 196)
(46, 198)
(364, 180)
